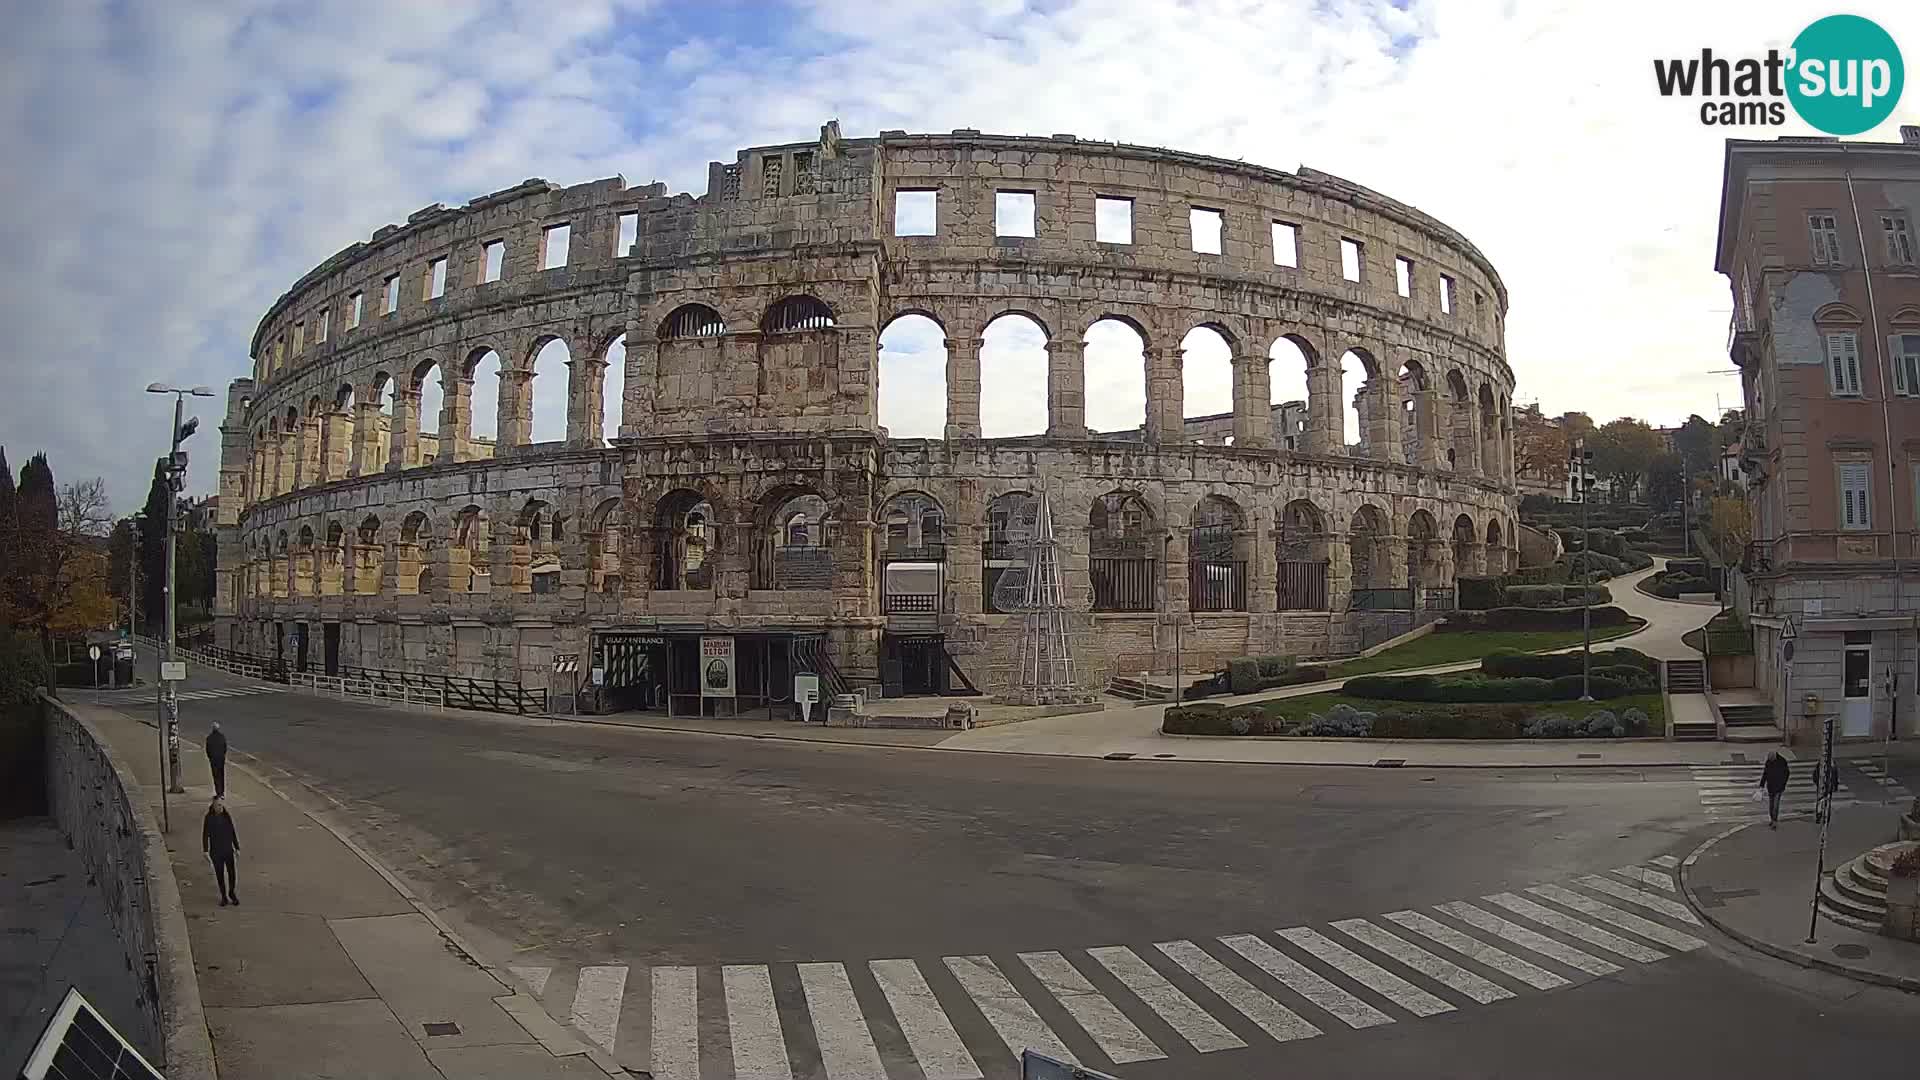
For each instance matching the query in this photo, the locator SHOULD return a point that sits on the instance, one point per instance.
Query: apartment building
(1818, 245)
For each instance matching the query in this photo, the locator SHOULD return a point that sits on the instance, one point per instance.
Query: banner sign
(716, 667)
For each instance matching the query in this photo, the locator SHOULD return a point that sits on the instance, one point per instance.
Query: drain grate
(1390, 763)
(1119, 756)
(1163, 755)
(441, 1027)
(1595, 757)
(1850, 951)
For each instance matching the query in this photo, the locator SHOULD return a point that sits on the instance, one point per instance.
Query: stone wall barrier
(95, 799)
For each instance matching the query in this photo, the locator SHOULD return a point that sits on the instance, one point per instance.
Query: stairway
(1686, 677)
(1856, 894)
(1749, 723)
(1139, 689)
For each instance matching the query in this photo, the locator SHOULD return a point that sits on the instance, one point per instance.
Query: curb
(1907, 983)
(508, 982)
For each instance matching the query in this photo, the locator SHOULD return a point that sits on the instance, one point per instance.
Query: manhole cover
(442, 1027)
(1595, 757)
(1850, 951)
(1120, 756)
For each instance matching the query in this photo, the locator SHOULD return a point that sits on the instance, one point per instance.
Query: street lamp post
(1579, 464)
(176, 470)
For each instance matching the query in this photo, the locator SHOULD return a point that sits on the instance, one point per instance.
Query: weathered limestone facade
(750, 487)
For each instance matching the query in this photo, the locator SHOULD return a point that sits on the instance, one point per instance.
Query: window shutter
(1853, 364)
(1853, 493)
(1899, 360)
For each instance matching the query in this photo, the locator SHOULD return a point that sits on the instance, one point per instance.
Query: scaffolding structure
(1045, 672)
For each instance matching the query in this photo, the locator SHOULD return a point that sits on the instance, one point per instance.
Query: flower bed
(1333, 715)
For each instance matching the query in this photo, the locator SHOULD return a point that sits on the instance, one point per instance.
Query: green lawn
(1300, 708)
(1443, 648)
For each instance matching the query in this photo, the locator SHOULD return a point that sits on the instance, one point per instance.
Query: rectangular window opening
(1855, 487)
(354, 305)
(1906, 364)
(493, 259)
(299, 336)
(1013, 213)
(1824, 230)
(1286, 244)
(1403, 275)
(437, 278)
(320, 330)
(554, 240)
(1843, 364)
(915, 213)
(393, 295)
(1350, 259)
(1446, 295)
(1112, 220)
(1899, 239)
(625, 236)
(1207, 226)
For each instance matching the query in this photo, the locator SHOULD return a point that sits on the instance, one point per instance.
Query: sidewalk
(1755, 884)
(329, 968)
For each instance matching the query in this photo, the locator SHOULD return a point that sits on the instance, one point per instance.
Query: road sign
(806, 694)
(93, 652)
(173, 670)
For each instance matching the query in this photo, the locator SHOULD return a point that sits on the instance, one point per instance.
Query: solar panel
(79, 1044)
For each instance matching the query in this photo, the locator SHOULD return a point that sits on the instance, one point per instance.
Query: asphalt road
(566, 846)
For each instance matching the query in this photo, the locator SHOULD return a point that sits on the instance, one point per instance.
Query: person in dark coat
(217, 758)
(1774, 779)
(219, 840)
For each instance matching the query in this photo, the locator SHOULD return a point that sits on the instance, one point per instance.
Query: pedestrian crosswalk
(227, 692)
(1878, 775)
(1727, 792)
(968, 1017)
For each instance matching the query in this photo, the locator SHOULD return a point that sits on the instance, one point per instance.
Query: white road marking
(1647, 877)
(1433, 967)
(1668, 861)
(930, 1035)
(1366, 972)
(1193, 1023)
(1641, 897)
(759, 1048)
(1625, 920)
(1306, 982)
(596, 1003)
(846, 1046)
(534, 977)
(1019, 1026)
(1474, 949)
(1274, 1018)
(1573, 927)
(1119, 1039)
(1527, 939)
(676, 1024)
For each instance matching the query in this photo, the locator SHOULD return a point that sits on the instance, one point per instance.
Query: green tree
(1622, 450)
(1729, 526)
(1698, 443)
(153, 550)
(1732, 423)
(1577, 425)
(1665, 484)
(9, 536)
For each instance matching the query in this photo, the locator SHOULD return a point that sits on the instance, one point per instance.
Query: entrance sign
(806, 694)
(173, 670)
(716, 667)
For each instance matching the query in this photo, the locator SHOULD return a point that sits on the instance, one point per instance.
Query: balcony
(1746, 340)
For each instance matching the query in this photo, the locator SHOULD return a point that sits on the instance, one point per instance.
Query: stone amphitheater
(725, 486)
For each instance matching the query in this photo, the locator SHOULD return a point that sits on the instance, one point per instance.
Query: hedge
(1511, 663)
(1406, 722)
(1527, 619)
(1477, 688)
(1286, 673)
(1547, 596)
(23, 671)
(1212, 718)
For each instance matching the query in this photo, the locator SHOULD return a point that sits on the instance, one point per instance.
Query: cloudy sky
(171, 167)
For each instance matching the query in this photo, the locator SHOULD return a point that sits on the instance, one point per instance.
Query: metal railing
(1380, 600)
(1302, 585)
(1217, 585)
(1125, 584)
(905, 603)
(1436, 598)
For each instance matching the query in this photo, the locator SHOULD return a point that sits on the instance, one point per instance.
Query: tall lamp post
(1580, 468)
(176, 469)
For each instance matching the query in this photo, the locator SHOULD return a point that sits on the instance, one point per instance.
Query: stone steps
(1744, 715)
(1707, 732)
(1855, 894)
(1138, 689)
(1748, 733)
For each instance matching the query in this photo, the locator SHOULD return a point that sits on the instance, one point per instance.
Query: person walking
(217, 759)
(219, 840)
(1774, 779)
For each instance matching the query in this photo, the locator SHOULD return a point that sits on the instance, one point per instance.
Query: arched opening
(1303, 547)
(336, 436)
(1423, 564)
(1288, 392)
(613, 389)
(1416, 412)
(1124, 545)
(1114, 379)
(1496, 550)
(409, 555)
(536, 550)
(913, 378)
(1466, 560)
(1217, 556)
(1013, 378)
(369, 557)
(1011, 521)
(1366, 536)
(1462, 447)
(794, 542)
(469, 568)
(683, 542)
(606, 544)
(1489, 434)
(375, 446)
(483, 373)
(693, 367)
(548, 393)
(1206, 386)
(333, 560)
(282, 565)
(913, 555)
(303, 556)
(1359, 399)
(423, 443)
(692, 321)
(796, 314)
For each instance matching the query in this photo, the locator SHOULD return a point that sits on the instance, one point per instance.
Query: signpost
(1822, 809)
(806, 694)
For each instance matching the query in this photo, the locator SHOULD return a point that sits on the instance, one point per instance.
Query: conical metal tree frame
(1045, 672)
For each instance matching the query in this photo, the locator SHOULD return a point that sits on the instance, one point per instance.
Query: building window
(1350, 259)
(1403, 275)
(393, 295)
(1112, 220)
(299, 337)
(1446, 295)
(554, 240)
(625, 236)
(916, 213)
(1843, 364)
(1899, 239)
(493, 260)
(354, 304)
(1013, 213)
(1855, 486)
(1286, 244)
(437, 278)
(1906, 364)
(1825, 233)
(320, 329)
(1207, 227)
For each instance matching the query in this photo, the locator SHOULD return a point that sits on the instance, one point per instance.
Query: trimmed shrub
(1534, 596)
(1274, 666)
(1528, 619)
(1478, 593)
(1243, 675)
(1240, 724)
(1431, 688)
(1568, 687)
(1635, 721)
(1510, 663)
(1550, 726)
(1212, 718)
(1186, 719)
(23, 671)
(1343, 721)
(1602, 724)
